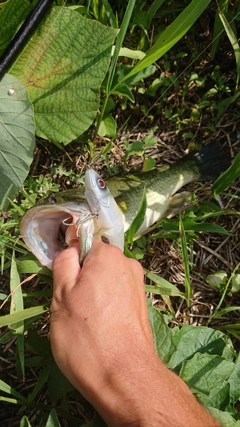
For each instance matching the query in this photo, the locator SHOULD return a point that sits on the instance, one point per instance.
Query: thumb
(66, 268)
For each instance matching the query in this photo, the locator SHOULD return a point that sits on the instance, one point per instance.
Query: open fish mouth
(47, 230)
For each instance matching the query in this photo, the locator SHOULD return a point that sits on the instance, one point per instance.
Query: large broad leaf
(190, 340)
(12, 14)
(17, 136)
(63, 67)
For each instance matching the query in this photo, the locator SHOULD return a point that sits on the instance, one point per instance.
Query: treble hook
(67, 223)
(83, 219)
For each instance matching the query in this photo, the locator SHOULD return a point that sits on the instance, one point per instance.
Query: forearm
(148, 395)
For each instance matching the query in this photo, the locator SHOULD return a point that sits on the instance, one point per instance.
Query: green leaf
(234, 381)
(39, 345)
(206, 372)
(235, 283)
(138, 220)
(191, 226)
(63, 67)
(234, 42)
(223, 417)
(17, 135)
(16, 294)
(107, 126)
(28, 264)
(184, 248)
(218, 27)
(141, 75)
(6, 388)
(129, 53)
(16, 306)
(163, 287)
(9, 319)
(172, 34)
(219, 395)
(134, 147)
(225, 310)
(215, 280)
(57, 377)
(227, 177)
(153, 10)
(97, 421)
(3, 296)
(162, 334)
(119, 42)
(148, 164)
(190, 340)
(25, 422)
(11, 16)
(53, 420)
(123, 90)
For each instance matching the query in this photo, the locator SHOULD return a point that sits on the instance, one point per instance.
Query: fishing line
(23, 35)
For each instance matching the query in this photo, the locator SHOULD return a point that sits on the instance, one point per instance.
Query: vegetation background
(185, 94)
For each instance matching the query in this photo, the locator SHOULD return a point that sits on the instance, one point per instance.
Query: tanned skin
(102, 341)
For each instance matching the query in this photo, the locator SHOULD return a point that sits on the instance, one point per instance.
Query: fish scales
(160, 185)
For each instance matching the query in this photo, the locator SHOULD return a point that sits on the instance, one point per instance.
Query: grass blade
(153, 10)
(218, 28)
(187, 280)
(163, 287)
(171, 35)
(233, 40)
(12, 318)
(138, 220)
(6, 388)
(227, 177)
(119, 42)
(15, 307)
(112, 68)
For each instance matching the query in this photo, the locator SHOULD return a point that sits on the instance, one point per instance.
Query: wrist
(123, 400)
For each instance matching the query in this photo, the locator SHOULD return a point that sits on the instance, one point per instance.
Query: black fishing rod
(23, 35)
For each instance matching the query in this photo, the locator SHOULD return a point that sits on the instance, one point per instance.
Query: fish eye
(52, 199)
(101, 183)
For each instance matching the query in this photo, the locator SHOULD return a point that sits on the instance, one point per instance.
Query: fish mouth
(47, 230)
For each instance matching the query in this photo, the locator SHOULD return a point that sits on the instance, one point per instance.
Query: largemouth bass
(162, 183)
(42, 225)
(59, 220)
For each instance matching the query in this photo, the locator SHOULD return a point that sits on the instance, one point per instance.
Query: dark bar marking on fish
(23, 35)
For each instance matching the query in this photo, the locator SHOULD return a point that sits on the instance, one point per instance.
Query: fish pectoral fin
(177, 202)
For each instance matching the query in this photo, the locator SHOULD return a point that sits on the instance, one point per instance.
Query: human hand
(102, 341)
(99, 320)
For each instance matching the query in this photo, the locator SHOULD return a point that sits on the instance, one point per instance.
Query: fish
(113, 214)
(58, 221)
(163, 183)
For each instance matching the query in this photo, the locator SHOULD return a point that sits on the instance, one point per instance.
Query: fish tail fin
(212, 161)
